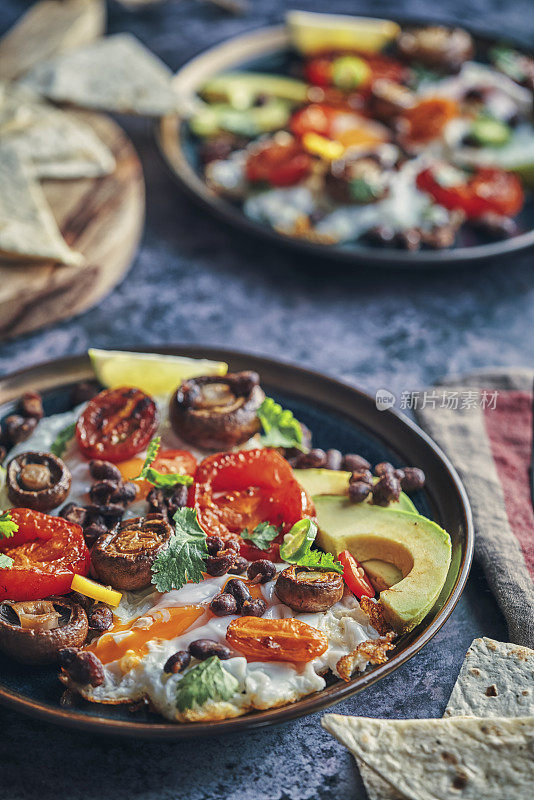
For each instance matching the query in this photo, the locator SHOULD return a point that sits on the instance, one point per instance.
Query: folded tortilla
(55, 143)
(116, 73)
(496, 680)
(28, 229)
(444, 759)
(48, 29)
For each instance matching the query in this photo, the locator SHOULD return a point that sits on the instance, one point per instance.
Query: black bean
(496, 226)
(74, 513)
(124, 493)
(239, 566)
(111, 512)
(410, 239)
(176, 500)
(205, 648)
(223, 605)
(333, 459)
(413, 479)
(386, 490)
(362, 476)
(353, 463)
(82, 392)
(239, 589)
(214, 544)
(104, 470)
(219, 565)
(101, 491)
(358, 491)
(399, 474)
(83, 667)
(93, 532)
(177, 662)
(156, 502)
(261, 571)
(232, 544)
(18, 429)
(3, 453)
(314, 459)
(253, 608)
(382, 468)
(32, 405)
(66, 656)
(100, 618)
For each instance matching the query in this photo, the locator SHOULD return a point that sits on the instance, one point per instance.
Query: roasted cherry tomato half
(279, 164)
(315, 118)
(234, 491)
(486, 190)
(46, 551)
(427, 119)
(116, 424)
(264, 639)
(320, 70)
(354, 576)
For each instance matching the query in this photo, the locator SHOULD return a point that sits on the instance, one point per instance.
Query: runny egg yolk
(162, 623)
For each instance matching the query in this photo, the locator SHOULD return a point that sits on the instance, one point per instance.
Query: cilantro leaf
(59, 445)
(262, 535)
(206, 681)
(319, 560)
(165, 481)
(280, 428)
(7, 526)
(183, 560)
(151, 453)
(5, 561)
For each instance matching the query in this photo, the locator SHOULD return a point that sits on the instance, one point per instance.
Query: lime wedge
(154, 374)
(312, 33)
(298, 541)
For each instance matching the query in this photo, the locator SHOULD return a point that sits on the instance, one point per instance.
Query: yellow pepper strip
(95, 590)
(320, 146)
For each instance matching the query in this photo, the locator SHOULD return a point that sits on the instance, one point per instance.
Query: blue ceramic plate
(340, 417)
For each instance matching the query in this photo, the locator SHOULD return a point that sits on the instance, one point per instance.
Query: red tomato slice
(354, 576)
(278, 164)
(171, 462)
(234, 491)
(314, 118)
(319, 71)
(46, 551)
(487, 190)
(116, 424)
(427, 119)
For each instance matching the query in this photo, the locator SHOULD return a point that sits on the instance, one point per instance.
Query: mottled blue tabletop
(195, 280)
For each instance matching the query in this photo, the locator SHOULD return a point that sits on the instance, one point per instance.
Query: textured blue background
(195, 280)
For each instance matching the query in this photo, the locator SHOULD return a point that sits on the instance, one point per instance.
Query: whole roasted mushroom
(437, 47)
(217, 413)
(34, 631)
(123, 557)
(36, 480)
(307, 590)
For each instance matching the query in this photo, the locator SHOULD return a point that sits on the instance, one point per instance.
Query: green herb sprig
(183, 560)
(262, 535)
(321, 561)
(160, 479)
(7, 526)
(280, 428)
(206, 681)
(59, 445)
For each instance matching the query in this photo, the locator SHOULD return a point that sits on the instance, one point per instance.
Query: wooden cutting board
(102, 218)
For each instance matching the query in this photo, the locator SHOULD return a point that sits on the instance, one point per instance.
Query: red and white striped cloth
(489, 441)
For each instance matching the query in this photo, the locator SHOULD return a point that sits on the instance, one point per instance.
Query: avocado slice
(242, 89)
(249, 122)
(382, 574)
(418, 547)
(331, 481)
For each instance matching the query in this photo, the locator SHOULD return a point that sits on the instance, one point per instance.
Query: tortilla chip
(496, 680)
(114, 74)
(48, 29)
(28, 229)
(55, 143)
(425, 759)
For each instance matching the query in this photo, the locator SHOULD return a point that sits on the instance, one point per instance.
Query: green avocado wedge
(418, 547)
(242, 89)
(331, 481)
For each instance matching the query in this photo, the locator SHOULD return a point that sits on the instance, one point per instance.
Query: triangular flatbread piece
(444, 759)
(28, 229)
(114, 74)
(48, 29)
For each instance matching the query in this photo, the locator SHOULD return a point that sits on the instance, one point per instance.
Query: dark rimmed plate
(267, 50)
(339, 416)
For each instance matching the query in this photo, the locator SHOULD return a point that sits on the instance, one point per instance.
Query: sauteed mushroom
(123, 557)
(217, 413)
(34, 631)
(37, 480)
(308, 590)
(437, 47)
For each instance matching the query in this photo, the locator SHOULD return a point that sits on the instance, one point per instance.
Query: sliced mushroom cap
(34, 631)
(308, 590)
(123, 557)
(36, 480)
(437, 47)
(217, 413)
